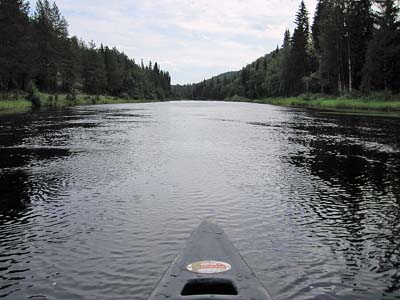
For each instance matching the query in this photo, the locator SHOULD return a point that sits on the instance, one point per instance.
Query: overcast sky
(192, 39)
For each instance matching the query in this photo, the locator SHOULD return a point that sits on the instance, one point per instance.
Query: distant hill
(354, 54)
(185, 91)
(227, 75)
(222, 86)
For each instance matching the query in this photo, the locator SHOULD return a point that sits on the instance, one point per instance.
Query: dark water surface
(96, 201)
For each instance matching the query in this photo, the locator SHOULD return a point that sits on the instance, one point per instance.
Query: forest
(37, 55)
(352, 47)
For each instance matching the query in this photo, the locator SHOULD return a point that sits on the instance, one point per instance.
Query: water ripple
(96, 201)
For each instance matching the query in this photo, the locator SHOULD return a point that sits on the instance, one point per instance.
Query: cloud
(193, 39)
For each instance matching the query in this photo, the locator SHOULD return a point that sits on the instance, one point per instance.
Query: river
(96, 201)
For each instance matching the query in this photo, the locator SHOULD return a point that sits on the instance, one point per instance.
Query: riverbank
(21, 104)
(370, 105)
(345, 103)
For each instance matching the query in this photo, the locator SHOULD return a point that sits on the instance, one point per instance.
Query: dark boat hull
(209, 267)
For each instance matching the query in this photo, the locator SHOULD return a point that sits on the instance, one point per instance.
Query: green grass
(370, 104)
(374, 104)
(356, 104)
(19, 105)
(59, 101)
(237, 98)
(82, 99)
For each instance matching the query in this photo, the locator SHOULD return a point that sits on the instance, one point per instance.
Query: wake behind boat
(209, 267)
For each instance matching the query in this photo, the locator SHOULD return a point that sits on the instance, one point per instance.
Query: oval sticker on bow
(209, 267)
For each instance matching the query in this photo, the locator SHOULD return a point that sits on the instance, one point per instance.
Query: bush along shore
(375, 102)
(36, 50)
(24, 102)
(349, 54)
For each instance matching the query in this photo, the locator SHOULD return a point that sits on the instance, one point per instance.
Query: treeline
(37, 50)
(352, 47)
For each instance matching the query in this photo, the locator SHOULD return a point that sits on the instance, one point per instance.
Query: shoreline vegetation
(342, 60)
(17, 103)
(346, 58)
(25, 103)
(324, 102)
(41, 65)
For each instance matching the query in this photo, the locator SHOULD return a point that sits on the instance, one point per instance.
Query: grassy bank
(20, 103)
(371, 103)
(347, 104)
(15, 105)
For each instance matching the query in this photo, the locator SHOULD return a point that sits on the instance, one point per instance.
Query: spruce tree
(381, 70)
(71, 76)
(360, 25)
(94, 71)
(332, 49)
(315, 29)
(285, 64)
(15, 45)
(299, 58)
(51, 33)
(113, 72)
(316, 37)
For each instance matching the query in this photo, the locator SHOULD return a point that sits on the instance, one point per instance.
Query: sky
(192, 39)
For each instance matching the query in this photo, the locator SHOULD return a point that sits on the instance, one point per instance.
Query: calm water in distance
(96, 201)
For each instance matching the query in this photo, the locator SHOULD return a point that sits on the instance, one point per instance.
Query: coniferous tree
(273, 83)
(332, 50)
(315, 28)
(316, 32)
(37, 48)
(113, 73)
(360, 25)
(72, 70)
(94, 71)
(382, 66)
(299, 58)
(51, 33)
(15, 44)
(332, 61)
(350, 47)
(285, 64)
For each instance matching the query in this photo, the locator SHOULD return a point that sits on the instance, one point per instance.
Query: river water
(96, 201)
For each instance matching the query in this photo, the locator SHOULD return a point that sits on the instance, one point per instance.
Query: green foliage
(351, 48)
(34, 95)
(37, 48)
(381, 71)
(50, 34)
(298, 60)
(15, 44)
(284, 71)
(237, 98)
(342, 103)
(9, 103)
(124, 96)
(310, 96)
(71, 97)
(94, 72)
(19, 105)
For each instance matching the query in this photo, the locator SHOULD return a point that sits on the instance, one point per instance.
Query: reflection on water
(96, 201)
(360, 159)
